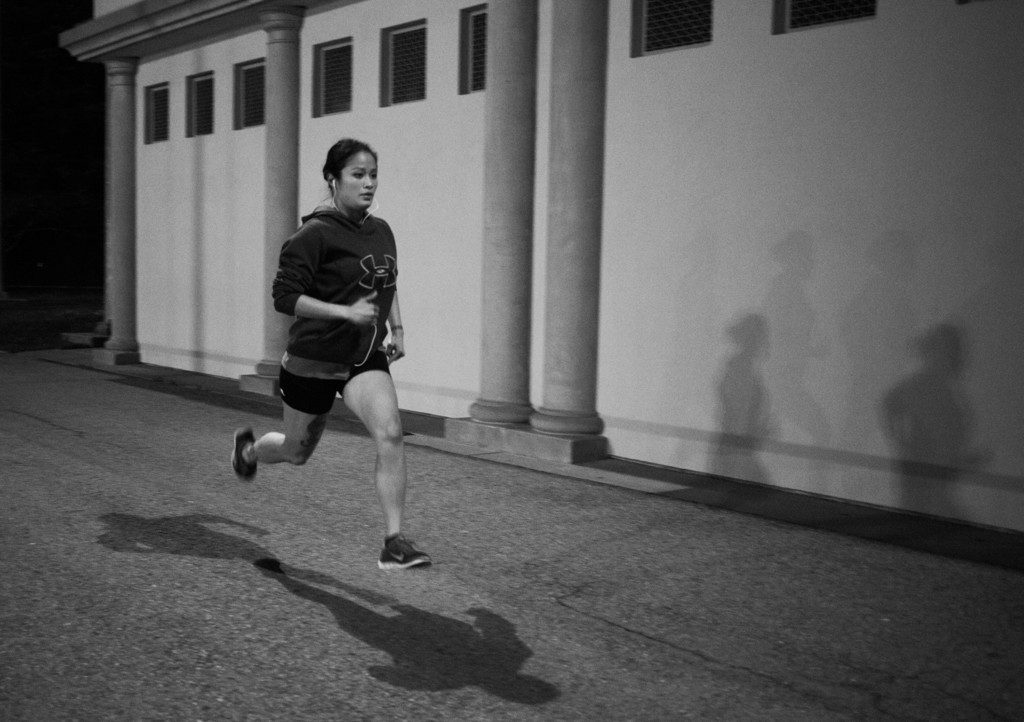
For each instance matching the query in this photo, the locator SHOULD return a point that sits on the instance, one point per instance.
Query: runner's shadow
(190, 535)
(429, 651)
(186, 535)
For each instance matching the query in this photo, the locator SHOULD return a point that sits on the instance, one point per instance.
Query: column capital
(282, 22)
(121, 70)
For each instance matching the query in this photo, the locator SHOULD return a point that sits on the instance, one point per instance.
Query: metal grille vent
(337, 79)
(409, 65)
(676, 23)
(808, 13)
(158, 100)
(252, 88)
(478, 51)
(200, 105)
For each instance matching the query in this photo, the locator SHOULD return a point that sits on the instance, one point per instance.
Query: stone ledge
(522, 440)
(256, 384)
(85, 339)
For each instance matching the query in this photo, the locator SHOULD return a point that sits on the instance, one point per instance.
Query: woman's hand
(363, 312)
(396, 348)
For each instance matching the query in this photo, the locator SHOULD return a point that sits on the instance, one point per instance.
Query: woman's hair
(339, 154)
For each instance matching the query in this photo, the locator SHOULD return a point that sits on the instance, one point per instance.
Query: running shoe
(399, 553)
(244, 469)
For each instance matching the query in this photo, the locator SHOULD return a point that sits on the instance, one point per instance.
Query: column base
(521, 440)
(566, 422)
(500, 412)
(113, 357)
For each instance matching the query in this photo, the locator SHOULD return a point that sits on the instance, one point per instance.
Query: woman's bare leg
(371, 396)
(302, 432)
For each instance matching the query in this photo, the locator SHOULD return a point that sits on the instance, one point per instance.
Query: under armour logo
(378, 275)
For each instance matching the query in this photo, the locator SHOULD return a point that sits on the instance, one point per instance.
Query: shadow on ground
(429, 651)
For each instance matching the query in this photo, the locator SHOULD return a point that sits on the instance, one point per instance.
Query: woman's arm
(395, 317)
(362, 313)
(396, 349)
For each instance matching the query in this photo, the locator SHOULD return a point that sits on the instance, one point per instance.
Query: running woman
(337, 276)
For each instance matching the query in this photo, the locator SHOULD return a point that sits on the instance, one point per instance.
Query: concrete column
(121, 347)
(578, 62)
(510, 115)
(281, 192)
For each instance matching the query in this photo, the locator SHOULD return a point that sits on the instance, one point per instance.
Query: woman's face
(353, 191)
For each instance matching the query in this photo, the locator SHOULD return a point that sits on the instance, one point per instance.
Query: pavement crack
(47, 422)
(698, 655)
(817, 691)
(822, 691)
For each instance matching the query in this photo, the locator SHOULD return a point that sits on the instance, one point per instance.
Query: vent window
(332, 78)
(199, 106)
(799, 14)
(249, 94)
(473, 49)
(404, 63)
(660, 25)
(157, 113)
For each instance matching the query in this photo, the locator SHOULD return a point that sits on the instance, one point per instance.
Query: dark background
(51, 150)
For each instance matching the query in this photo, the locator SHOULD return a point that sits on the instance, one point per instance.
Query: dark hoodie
(335, 259)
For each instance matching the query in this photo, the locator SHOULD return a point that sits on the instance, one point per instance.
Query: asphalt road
(139, 580)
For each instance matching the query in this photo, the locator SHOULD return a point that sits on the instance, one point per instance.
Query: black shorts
(316, 396)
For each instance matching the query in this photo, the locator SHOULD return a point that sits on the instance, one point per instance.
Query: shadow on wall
(909, 406)
(928, 422)
(796, 346)
(995, 312)
(873, 330)
(429, 651)
(743, 408)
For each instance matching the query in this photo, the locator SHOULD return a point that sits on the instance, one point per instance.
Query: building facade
(778, 241)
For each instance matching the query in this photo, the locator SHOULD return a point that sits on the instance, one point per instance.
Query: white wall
(431, 166)
(431, 178)
(200, 220)
(200, 223)
(845, 188)
(852, 186)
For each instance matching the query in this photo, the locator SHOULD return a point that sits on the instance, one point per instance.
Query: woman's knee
(388, 432)
(301, 437)
(297, 453)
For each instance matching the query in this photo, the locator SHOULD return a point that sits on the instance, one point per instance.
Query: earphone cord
(374, 207)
